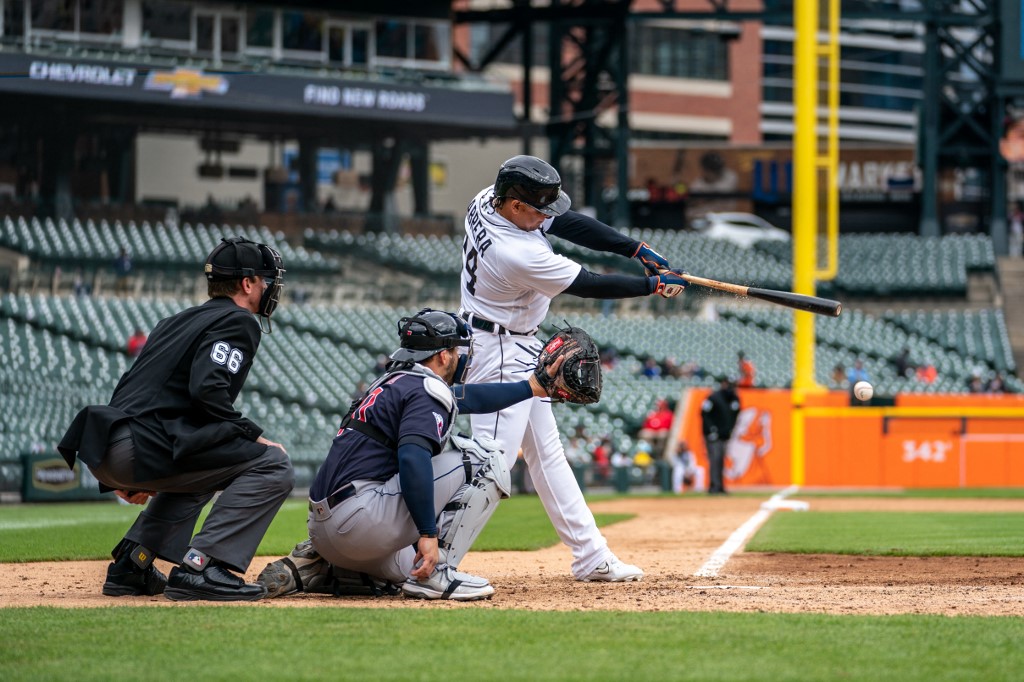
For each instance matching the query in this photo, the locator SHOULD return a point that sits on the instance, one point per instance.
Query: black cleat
(125, 578)
(216, 583)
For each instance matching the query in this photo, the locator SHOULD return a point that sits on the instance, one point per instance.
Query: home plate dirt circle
(671, 538)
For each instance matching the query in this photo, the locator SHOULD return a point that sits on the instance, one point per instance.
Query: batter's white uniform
(509, 277)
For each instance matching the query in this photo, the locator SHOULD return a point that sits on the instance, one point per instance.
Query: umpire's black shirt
(179, 396)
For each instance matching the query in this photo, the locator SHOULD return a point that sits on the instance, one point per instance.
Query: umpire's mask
(238, 257)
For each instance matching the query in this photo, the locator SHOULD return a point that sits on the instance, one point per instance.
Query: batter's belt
(486, 325)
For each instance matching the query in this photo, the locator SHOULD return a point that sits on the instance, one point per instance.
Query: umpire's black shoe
(125, 579)
(216, 583)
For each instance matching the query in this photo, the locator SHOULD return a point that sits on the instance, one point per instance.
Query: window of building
(55, 15)
(68, 18)
(166, 20)
(302, 32)
(14, 17)
(403, 42)
(679, 53)
(347, 44)
(101, 17)
(259, 28)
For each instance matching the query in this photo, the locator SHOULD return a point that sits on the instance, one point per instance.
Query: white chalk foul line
(740, 536)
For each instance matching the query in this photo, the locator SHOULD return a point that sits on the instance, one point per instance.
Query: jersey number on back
(367, 403)
(471, 265)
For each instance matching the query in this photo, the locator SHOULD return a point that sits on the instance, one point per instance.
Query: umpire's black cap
(238, 257)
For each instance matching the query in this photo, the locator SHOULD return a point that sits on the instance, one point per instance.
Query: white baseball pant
(531, 425)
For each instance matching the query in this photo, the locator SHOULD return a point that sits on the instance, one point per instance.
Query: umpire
(718, 417)
(171, 433)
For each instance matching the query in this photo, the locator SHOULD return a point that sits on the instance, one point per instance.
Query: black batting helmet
(429, 332)
(534, 182)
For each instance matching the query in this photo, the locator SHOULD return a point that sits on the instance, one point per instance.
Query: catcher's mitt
(579, 380)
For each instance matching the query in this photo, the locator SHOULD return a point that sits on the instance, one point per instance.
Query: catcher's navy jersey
(399, 407)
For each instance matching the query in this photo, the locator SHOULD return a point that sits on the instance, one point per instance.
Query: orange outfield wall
(944, 441)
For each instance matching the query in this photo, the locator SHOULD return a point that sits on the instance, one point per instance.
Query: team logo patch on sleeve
(440, 424)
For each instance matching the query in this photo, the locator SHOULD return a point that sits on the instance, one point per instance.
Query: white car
(742, 229)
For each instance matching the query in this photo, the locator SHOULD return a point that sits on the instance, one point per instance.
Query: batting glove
(668, 284)
(652, 261)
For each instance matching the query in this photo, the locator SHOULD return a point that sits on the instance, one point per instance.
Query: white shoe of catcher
(447, 583)
(614, 571)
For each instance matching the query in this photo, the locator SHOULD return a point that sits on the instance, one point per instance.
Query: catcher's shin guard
(466, 515)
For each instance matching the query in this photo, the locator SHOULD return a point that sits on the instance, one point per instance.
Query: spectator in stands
(747, 371)
(609, 358)
(975, 384)
(171, 435)
(857, 372)
(135, 343)
(996, 384)
(902, 363)
(685, 470)
(691, 368)
(79, 287)
(670, 368)
(927, 373)
(839, 375)
(1017, 229)
(718, 418)
(643, 460)
(651, 369)
(122, 272)
(657, 424)
(602, 457)
(853, 375)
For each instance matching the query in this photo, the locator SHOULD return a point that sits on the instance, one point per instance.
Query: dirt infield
(671, 538)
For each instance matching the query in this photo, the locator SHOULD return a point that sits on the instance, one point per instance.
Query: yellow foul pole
(807, 159)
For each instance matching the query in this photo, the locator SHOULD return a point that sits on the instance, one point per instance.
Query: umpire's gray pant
(253, 491)
(372, 532)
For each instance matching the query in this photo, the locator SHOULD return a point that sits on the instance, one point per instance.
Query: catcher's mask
(534, 182)
(237, 257)
(429, 332)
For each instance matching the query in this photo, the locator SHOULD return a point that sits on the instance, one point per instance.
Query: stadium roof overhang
(273, 104)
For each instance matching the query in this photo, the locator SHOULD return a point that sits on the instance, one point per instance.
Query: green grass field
(222, 642)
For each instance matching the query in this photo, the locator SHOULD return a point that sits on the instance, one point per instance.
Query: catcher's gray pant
(531, 425)
(372, 532)
(253, 491)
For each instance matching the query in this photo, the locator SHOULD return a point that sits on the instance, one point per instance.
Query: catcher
(395, 479)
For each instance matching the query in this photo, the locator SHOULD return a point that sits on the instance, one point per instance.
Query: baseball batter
(510, 275)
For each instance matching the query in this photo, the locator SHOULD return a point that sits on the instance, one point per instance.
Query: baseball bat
(812, 304)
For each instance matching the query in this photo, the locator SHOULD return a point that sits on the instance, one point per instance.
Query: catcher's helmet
(428, 333)
(532, 181)
(238, 257)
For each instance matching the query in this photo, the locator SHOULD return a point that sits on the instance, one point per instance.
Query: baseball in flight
(863, 390)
